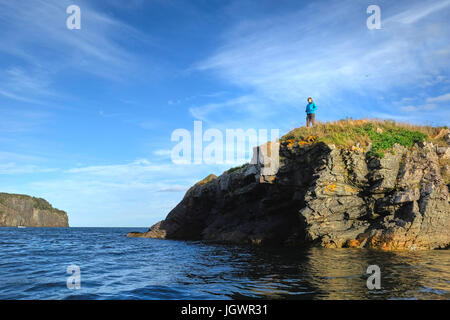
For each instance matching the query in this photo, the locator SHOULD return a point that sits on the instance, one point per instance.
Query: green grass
(382, 134)
(42, 204)
(235, 168)
(38, 203)
(383, 141)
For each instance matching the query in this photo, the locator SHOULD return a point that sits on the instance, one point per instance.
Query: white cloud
(16, 96)
(240, 104)
(420, 105)
(175, 188)
(325, 50)
(442, 98)
(163, 152)
(13, 168)
(13, 163)
(135, 168)
(135, 193)
(415, 108)
(34, 33)
(15, 120)
(419, 11)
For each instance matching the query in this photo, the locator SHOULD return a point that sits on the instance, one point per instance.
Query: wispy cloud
(12, 163)
(419, 11)
(163, 152)
(12, 168)
(325, 50)
(96, 42)
(15, 120)
(240, 104)
(175, 188)
(34, 36)
(419, 105)
(135, 168)
(441, 98)
(193, 97)
(415, 108)
(25, 86)
(118, 194)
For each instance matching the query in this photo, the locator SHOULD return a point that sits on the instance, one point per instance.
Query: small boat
(21, 227)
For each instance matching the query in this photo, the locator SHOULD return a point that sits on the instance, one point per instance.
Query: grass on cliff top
(382, 134)
(231, 170)
(206, 180)
(38, 203)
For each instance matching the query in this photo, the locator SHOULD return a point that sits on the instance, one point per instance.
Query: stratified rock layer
(22, 210)
(322, 195)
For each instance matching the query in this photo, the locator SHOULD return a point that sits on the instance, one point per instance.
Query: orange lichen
(350, 189)
(383, 243)
(301, 141)
(291, 143)
(330, 244)
(330, 187)
(353, 243)
(356, 148)
(307, 140)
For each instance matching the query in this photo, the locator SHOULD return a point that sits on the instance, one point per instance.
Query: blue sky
(86, 115)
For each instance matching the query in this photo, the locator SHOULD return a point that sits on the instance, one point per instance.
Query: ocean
(104, 264)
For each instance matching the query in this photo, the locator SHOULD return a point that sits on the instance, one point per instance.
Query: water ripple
(34, 261)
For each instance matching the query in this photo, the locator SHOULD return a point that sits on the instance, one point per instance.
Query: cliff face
(22, 210)
(323, 195)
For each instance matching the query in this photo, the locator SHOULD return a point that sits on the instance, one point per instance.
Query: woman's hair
(309, 98)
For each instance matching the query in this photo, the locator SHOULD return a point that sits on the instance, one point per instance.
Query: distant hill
(22, 210)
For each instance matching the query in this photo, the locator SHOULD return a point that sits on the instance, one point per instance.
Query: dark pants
(310, 118)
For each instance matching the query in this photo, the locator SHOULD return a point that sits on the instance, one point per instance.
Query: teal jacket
(311, 108)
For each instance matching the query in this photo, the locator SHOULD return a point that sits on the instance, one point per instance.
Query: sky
(86, 116)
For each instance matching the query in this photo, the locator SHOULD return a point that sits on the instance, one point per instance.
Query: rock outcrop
(22, 210)
(322, 195)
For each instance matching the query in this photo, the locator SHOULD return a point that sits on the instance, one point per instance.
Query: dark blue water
(34, 261)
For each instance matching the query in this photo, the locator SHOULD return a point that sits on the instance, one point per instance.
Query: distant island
(349, 183)
(18, 210)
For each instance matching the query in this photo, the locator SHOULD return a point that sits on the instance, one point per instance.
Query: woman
(310, 112)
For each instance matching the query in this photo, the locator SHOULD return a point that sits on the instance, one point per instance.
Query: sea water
(35, 263)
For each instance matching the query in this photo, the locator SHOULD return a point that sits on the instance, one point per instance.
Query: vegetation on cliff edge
(38, 203)
(380, 134)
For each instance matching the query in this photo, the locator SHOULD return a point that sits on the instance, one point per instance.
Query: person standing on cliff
(310, 112)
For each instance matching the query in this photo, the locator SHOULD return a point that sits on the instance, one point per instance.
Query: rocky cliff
(325, 195)
(22, 210)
